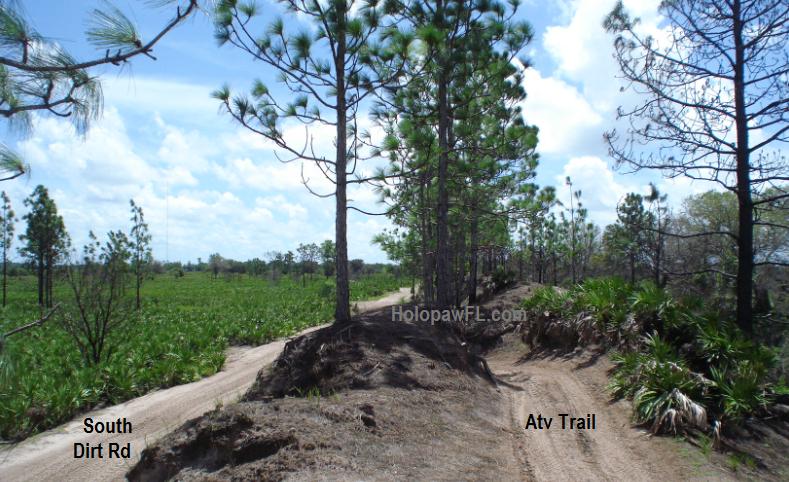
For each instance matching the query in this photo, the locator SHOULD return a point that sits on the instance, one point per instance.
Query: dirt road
(50, 455)
(575, 384)
(394, 298)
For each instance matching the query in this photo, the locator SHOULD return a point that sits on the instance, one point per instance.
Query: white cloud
(583, 50)
(575, 104)
(361, 230)
(278, 203)
(272, 175)
(105, 154)
(184, 149)
(195, 201)
(567, 122)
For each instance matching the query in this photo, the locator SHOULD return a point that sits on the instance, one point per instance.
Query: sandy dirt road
(575, 384)
(49, 456)
(394, 298)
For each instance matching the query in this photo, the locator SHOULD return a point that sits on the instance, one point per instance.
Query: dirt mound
(369, 399)
(369, 352)
(211, 443)
(382, 434)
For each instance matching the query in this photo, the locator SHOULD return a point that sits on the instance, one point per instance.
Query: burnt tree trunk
(745, 203)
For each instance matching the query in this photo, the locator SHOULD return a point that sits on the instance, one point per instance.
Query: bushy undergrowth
(683, 364)
(179, 336)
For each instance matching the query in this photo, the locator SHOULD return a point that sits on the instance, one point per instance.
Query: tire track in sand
(613, 451)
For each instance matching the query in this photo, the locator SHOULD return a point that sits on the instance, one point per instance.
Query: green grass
(179, 336)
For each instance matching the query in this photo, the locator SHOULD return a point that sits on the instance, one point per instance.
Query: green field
(179, 336)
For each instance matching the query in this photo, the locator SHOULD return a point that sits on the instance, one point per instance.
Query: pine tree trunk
(520, 260)
(424, 220)
(658, 252)
(460, 256)
(138, 277)
(442, 212)
(472, 282)
(40, 275)
(342, 311)
(632, 269)
(5, 273)
(48, 285)
(745, 203)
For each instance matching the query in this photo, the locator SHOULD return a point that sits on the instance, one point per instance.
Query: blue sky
(208, 186)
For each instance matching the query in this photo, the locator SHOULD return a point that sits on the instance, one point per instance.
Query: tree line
(308, 260)
(714, 106)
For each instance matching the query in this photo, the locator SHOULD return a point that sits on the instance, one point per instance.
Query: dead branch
(38, 322)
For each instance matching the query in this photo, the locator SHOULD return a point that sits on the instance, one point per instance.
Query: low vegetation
(681, 362)
(179, 336)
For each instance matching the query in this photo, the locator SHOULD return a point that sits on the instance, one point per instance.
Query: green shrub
(502, 278)
(550, 299)
(654, 307)
(624, 380)
(741, 391)
(692, 364)
(606, 298)
(668, 390)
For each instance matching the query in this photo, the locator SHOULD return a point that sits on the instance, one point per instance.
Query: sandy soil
(366, 400)
(545, 384)
(394, 298)
(49, 455)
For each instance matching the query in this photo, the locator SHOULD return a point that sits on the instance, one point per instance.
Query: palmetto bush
(606, 299)
(679, 361)
(723, 346)
(596, 311)
(555, 320)
(547, 298)
(654, 307)
(740, 391)
(664, 390)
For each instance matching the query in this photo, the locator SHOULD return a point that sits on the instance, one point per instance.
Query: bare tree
(716, 108)
(99, 308)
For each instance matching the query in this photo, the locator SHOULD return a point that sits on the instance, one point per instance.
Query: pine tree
(140, 243)
(45, 240)
(327, 89)
(7, 220)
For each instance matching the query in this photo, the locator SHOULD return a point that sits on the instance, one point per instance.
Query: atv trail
(550, 385)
